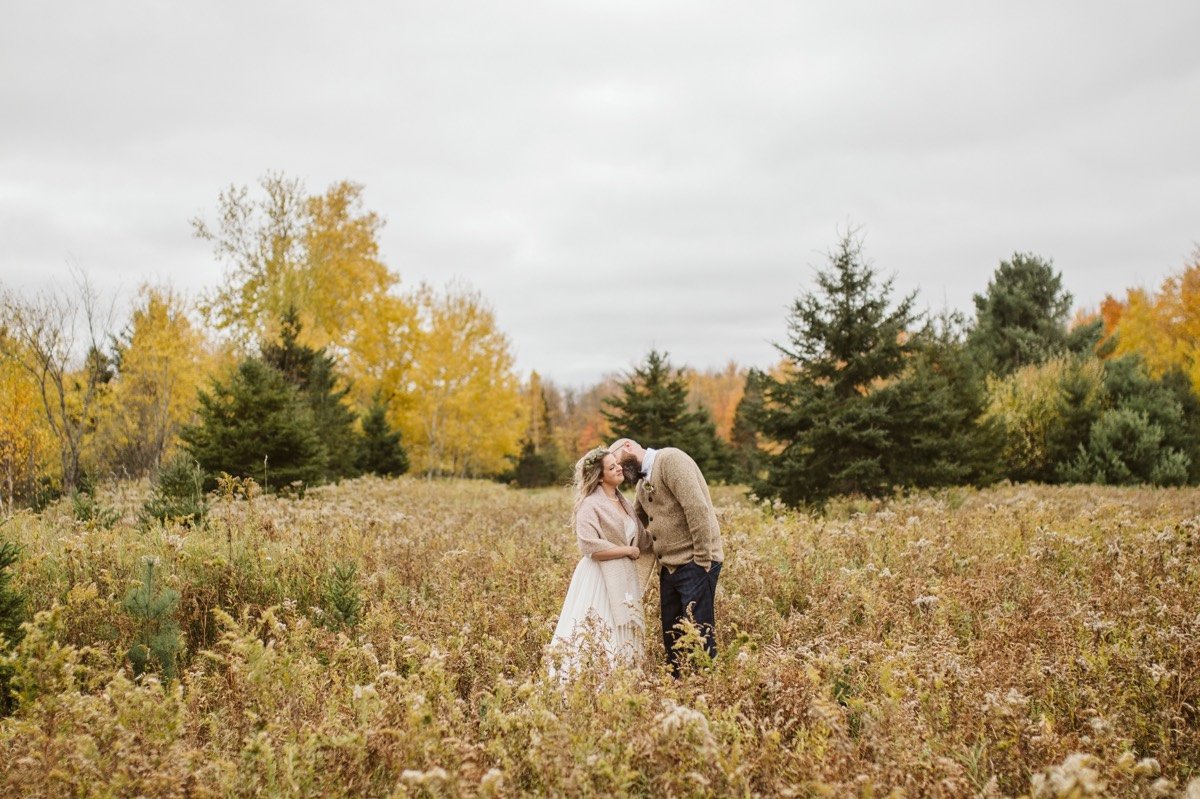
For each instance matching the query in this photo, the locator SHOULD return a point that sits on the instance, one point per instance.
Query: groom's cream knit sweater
(674, 503)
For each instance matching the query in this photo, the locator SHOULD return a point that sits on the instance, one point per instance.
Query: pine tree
(540, 462)
(652, 409)
(1022, 318)
(313, 375)
(833, 428)
(380, 451)
(939, 436)
(178, 493)
(748, 457)
(255, 425)
(158, 640)
(342, 597)
(1147, 432)
(12, 613)
(1125, 448)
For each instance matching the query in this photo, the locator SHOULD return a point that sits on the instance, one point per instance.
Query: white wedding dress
(587, 616)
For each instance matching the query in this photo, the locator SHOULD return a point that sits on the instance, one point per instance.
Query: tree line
(310, 362)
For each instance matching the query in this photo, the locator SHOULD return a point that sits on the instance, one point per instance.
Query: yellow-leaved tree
(719, 391)
(1162, 327)
(55, 337)
(162, 359)
(319, 255)
(25, 439)
(460, 409)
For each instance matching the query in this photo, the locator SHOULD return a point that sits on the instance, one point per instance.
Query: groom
(673, 502)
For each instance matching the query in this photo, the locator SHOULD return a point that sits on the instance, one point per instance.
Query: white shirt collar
(648, 462)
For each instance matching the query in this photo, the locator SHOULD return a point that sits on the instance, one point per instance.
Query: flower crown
(594, 457)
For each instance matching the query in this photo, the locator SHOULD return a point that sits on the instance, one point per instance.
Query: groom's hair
(620, 442)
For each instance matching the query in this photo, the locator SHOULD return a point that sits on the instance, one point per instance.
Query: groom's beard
(632, 469)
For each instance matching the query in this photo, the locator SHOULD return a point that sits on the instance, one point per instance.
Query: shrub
(12, 613)
(178, 493)
(256, 425)
(1124, 448)
(158, 642)
(342, 598)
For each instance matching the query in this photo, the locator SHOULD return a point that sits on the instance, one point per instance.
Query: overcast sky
(615, 176)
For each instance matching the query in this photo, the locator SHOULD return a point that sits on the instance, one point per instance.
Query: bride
(606, 590)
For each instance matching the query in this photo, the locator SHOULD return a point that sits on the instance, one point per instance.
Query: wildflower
(1074, 777)
(926, 602)
(1162, 787)
(491, 782)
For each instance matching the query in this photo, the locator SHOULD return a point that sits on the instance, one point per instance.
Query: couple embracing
(670, 525)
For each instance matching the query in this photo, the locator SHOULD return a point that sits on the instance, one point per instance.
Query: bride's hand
(634, 553)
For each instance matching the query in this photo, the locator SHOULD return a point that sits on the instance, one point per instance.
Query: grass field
(1013, 641)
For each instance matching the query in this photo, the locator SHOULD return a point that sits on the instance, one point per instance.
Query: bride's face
(611, 473)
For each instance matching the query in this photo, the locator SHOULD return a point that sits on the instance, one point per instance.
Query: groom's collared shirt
(648, 462)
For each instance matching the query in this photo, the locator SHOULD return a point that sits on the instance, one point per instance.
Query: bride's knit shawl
(599, 526)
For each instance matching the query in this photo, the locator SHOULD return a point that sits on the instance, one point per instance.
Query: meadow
(387, 638)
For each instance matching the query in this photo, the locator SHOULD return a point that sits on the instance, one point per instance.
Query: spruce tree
(1022, 318)
(939, 436)
(748, 457)
(152, 607)
(834, 429)
(12, 613)
(652, 409)
(312, 372)
(540, 462)
(178, 493)
(1147, 432)
(255, 425)
(380, 451)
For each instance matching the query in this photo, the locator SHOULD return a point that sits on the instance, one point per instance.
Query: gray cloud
(615, 176)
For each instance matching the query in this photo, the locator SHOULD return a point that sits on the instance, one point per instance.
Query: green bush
(1125, 448)
(380, 451)
(158, 642)
(12, 613)
(256, 425)
(341, 597)
(178, 493)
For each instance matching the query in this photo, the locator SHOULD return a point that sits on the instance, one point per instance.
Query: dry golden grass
(1014, 641)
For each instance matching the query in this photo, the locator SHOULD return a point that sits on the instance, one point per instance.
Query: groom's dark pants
(689, 589)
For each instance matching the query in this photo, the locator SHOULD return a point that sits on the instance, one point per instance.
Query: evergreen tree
(342, 597)
(1078, 406)
(748, 457)
(178, 493)
(834, 429)
(1125, 448)
(1022, 318)
(939, 436)
(255, 425)
(1148, 431)
(540, 462)
(1167, 402)
(652, 409)
(152, 607)
(313, 375)
(380, 451)
(12, 613)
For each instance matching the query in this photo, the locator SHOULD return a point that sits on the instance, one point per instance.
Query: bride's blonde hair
(588, 471)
